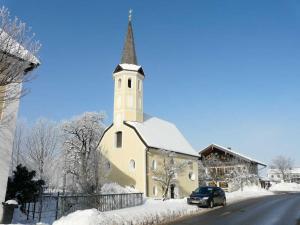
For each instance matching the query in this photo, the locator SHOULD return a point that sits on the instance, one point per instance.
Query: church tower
(128, 78)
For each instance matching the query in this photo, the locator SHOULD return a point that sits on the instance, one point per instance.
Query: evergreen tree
(22, 186)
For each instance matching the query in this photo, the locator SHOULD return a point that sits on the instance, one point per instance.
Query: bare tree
(83, 160)
(41, 144)
(18, 50)
(19, 147)
(283, 165)
(167, 171)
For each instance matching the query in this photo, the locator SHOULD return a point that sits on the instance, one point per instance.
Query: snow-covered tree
(82, 158)
(41, 147)
(16, 39)
(283, 164)
(19, 147)
(167, 170)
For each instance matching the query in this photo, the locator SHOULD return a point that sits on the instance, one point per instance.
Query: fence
(50, 207)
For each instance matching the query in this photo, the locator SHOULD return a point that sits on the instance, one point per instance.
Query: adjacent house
(291, 175)
(133, 143)
(14, 55)
(222, 166)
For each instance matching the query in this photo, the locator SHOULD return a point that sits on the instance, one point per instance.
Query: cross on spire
(130, 14)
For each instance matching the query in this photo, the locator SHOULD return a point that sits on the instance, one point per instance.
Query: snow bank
(285, 187)
(114, 188)
(248, 192)
(152, 212)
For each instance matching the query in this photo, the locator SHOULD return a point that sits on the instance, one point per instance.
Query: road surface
(281, 209)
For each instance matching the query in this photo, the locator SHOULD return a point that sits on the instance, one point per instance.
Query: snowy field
(158, 211)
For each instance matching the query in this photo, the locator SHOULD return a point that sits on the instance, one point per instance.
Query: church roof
(129, 59)
(161, 134)
(129, 55)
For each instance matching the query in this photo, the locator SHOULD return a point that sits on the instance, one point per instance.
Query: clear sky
(225, 72)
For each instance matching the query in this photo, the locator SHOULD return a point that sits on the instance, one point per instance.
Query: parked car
(207, 196)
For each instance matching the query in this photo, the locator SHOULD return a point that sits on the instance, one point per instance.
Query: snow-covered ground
(152, 212)
(285, 187)
(248, 192)
(158, 211)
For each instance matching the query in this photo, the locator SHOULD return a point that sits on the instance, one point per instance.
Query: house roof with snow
(161, 134)
(10, 46)
(230, 151)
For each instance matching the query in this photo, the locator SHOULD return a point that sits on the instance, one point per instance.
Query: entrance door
(172, 189)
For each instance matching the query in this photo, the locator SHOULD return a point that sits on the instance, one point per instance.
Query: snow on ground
(285, 187)
(151, 212)
(248, 192)
(114, 188)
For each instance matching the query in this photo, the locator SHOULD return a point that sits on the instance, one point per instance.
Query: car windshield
(204, 190)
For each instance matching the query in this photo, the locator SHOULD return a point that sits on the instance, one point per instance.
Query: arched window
(154, 164)
(192, 176)
(129, 83)
(132, 165)
(119, 83)
(139, 85)
(119, 139)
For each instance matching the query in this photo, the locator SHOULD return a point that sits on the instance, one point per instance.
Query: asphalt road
(282, 209)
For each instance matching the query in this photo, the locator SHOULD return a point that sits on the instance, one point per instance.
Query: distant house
(221, 164)
(292, 175)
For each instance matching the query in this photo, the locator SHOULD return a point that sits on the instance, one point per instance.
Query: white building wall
(7, 131)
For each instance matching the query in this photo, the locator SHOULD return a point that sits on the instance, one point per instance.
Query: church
(133, 143)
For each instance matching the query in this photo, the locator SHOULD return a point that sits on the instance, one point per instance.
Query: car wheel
(224, 202)
(211, 204)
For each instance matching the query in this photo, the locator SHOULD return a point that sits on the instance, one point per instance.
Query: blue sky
(225, 72)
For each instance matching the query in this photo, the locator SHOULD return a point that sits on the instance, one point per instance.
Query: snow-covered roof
(129, 67)
(9, 45)
(132, 67)
(161, 134)
(227, 150)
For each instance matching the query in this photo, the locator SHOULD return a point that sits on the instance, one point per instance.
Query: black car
(207, 196)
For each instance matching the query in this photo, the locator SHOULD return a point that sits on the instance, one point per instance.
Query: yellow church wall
(132, 149)
(184, 184)
(128, 102)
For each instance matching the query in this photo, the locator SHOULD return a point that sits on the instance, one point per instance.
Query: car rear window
(204, 190)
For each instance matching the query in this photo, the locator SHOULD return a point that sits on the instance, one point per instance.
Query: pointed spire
(129, 55)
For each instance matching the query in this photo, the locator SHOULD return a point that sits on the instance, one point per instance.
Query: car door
(216, 196)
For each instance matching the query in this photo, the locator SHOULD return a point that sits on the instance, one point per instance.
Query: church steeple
(128, 77)
(129, 55)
